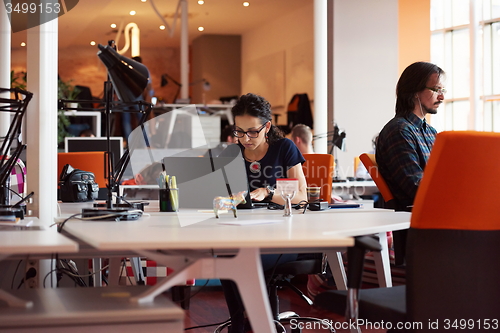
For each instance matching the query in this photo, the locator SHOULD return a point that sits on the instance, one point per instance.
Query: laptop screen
(201, 179)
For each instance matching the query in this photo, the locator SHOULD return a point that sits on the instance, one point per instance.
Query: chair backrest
(453, 248)
(371, 165)
(93, 161)
(459, 189)
(318, 170)
(356, 164)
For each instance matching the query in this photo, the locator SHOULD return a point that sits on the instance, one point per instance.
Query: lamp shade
(129, 77)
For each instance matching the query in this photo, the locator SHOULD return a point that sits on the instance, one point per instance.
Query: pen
(175, 193)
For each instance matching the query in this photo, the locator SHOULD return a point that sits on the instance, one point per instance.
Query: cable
(117, 215)
(207, 325)
(193, 295)
(124, 265)
(87, 275)
(15, 272)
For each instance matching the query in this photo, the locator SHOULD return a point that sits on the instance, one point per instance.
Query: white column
(5, 46)
(320, 75)
(184, 50)
(41, 118)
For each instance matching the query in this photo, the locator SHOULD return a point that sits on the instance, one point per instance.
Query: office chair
(318, 170)
(370, 164)
(398, 236)
(453, 248)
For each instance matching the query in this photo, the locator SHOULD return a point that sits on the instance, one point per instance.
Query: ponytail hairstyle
(257, 106)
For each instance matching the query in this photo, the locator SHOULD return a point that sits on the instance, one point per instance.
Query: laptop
(201, 179)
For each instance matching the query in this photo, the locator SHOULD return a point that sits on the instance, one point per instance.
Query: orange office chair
(370, 164)
(399, 236)
(318, 170)
(453, 247)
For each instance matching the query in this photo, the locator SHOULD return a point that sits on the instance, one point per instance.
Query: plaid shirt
(403, 148)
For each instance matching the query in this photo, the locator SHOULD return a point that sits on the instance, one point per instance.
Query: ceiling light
(113, 25)
(133, 12)
(201, 2)
(162, 27)
(23, 44)
(143, 0)
(201, 28)
(92, 43)
(246, 4)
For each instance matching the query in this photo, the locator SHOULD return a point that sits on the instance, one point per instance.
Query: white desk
(83, 310)
(31, 242)
(326, 231)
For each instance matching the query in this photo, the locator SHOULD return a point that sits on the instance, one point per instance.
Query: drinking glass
(287, 188)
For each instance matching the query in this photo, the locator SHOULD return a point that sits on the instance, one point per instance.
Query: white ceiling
(90, 20)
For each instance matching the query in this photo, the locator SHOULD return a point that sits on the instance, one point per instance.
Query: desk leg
(245, 269)
(96, 267)
(382, 262)
(14, 301)
(338, 270)
(137, 269)
(115, 265)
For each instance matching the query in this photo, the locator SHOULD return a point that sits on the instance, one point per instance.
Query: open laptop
(201, 179)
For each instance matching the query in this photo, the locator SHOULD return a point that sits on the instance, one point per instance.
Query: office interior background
(269, 50)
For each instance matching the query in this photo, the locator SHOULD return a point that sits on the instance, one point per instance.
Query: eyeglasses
(439, 91)
(251, 134)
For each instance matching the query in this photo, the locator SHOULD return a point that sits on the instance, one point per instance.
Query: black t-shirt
(281, 156)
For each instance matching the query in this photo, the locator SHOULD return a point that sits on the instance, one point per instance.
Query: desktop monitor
(79, 144)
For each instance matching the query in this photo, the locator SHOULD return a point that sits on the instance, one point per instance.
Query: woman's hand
(259, 194)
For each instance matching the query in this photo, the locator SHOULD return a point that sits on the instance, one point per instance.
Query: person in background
(302, 136)
(226, 138)
(268, 156)
(87, 133)
(405, 142)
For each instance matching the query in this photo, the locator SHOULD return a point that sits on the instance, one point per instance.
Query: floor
(208, 308)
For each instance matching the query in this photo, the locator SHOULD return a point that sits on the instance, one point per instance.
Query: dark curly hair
(413, 79)
(257, 106)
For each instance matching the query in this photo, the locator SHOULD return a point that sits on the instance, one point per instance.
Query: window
(465, 42)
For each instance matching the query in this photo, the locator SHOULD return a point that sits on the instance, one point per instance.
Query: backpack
(77, 185)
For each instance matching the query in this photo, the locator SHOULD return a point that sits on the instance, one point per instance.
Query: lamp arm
(172, 79)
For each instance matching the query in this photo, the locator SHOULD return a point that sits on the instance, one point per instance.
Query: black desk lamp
(128, 78)
(337, 140)
(16, 105)
(164, 81)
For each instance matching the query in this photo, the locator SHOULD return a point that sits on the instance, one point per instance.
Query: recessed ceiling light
(113, 25)
(92, 43)
(133, 12)
(201, 28)
(201, 2)
(143, 0)
(23, 44)
(246, 3)
(162, 27)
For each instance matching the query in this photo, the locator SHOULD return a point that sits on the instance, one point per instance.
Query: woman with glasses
(268, 156)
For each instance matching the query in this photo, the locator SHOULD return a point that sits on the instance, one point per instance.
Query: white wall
(365, 72)
(277, 58)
